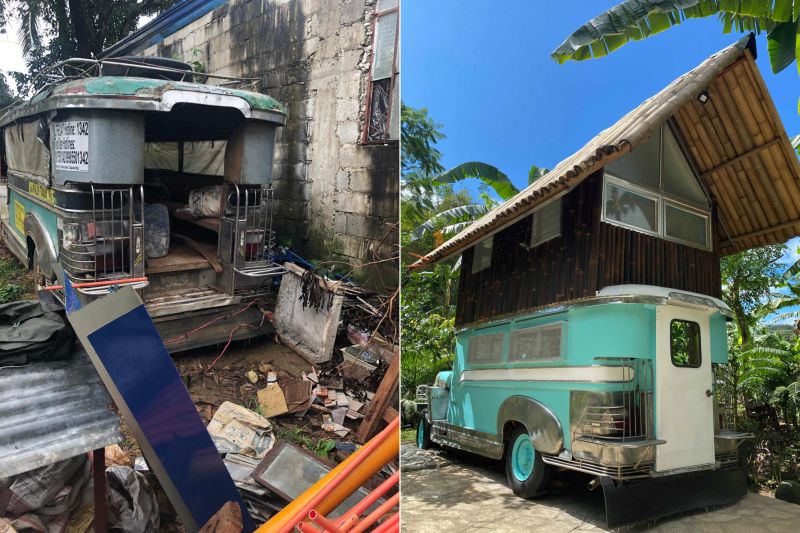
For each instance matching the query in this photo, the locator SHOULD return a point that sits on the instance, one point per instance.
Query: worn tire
(423, 433)
(528, 476)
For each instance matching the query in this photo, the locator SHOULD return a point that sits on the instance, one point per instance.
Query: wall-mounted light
(703, 97)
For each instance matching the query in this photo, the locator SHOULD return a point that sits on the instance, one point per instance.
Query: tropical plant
(54, 30)
(633, 20)
(747, 279)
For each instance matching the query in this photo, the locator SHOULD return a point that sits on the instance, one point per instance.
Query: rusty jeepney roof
(736, 139)
(144, 94)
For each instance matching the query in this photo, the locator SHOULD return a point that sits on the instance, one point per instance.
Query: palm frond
(488, 174)
(450, 217)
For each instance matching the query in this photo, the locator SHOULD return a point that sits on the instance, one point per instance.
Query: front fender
(34, 228)
(542, 424)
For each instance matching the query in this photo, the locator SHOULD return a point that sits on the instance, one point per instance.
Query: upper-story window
(653, 189)
(482, 255)
(383, 101)
(546, 223)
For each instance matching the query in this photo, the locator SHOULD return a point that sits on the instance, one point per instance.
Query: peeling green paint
(153, 89)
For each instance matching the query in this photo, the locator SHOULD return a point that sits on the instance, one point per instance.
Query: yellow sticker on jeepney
(19, 216)
(42, 192)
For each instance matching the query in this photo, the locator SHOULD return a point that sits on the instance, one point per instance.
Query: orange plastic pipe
(323, 521)
(375, 515)
(327, 493)
(352, 516)
(391, 524)
(96, 284)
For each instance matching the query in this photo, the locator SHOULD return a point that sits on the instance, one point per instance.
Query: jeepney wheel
(423, 434)
(528, 476)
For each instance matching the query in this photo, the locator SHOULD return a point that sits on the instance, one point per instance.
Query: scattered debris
(289, 470)
(272, 401)
(252, 377)
(227, 520)
(235, 429)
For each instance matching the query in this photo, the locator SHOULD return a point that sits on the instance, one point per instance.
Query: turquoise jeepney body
(593, 404)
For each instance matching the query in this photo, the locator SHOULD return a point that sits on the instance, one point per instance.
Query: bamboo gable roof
(737, 141)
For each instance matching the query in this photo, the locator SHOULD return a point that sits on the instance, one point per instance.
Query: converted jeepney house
(589, 315)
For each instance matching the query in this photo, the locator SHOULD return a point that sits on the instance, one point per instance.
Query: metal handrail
(77, 68)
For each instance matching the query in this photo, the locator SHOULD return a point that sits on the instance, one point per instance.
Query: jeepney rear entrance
(164, 184)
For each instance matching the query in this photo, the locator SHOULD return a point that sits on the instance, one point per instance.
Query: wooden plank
(383, 397)
(180, 257)
(760, 232)
(209, 251)
(206, 222)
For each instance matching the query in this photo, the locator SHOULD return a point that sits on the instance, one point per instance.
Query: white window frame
(476, 247)
(534, 218)
(561, 349)
(683, 206)
(635, 189)
(661, 200)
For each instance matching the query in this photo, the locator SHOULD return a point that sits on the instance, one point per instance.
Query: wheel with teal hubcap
(528, 476)
(423, 433)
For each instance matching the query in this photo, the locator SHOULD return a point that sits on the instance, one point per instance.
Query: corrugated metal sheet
(729, 76)
(52, 411)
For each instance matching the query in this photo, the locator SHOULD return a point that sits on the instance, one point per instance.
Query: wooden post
(381, 401)
(99, 470)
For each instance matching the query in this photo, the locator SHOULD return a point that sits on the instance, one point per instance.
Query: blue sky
(483, 70)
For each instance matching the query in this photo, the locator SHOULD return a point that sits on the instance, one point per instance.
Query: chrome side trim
(615, 454)
(542, 424)
(563, 307)
(469, 440)
(573, 374)
(589, 467)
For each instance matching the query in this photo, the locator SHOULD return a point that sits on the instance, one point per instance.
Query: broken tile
(341, 399)
(338, 415)
(272, 401)
(354, 404)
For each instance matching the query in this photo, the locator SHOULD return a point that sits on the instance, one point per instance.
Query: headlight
(71, 233)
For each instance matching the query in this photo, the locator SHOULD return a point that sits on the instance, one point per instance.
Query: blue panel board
(141, 376)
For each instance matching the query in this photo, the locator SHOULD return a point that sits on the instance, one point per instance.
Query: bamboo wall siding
(588, 256)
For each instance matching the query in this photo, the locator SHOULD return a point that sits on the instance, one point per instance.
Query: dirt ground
(460, 492)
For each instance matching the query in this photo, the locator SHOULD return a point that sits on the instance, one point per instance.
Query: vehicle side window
(538, 343)
(684, 338)
(485, 348)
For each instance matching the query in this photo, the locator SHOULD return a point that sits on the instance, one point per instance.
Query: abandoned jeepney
(139, 171)
(589, 313)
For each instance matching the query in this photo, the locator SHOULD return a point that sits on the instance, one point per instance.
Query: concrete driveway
(459, 492)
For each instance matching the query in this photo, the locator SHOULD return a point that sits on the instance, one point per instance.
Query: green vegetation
(15, 283)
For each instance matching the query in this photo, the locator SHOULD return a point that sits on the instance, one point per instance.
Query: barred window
(383, 105)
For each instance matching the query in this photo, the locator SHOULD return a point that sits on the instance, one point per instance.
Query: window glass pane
(677, 176)
(546, 223)
(383, 54)
(685, 225)
(640, 165)
(684, 338)
(539, 343)
(486, 348)
(630, 208)
(383, 5)
(482, 255)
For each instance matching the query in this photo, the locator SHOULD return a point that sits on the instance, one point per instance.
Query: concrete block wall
(337, 199)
